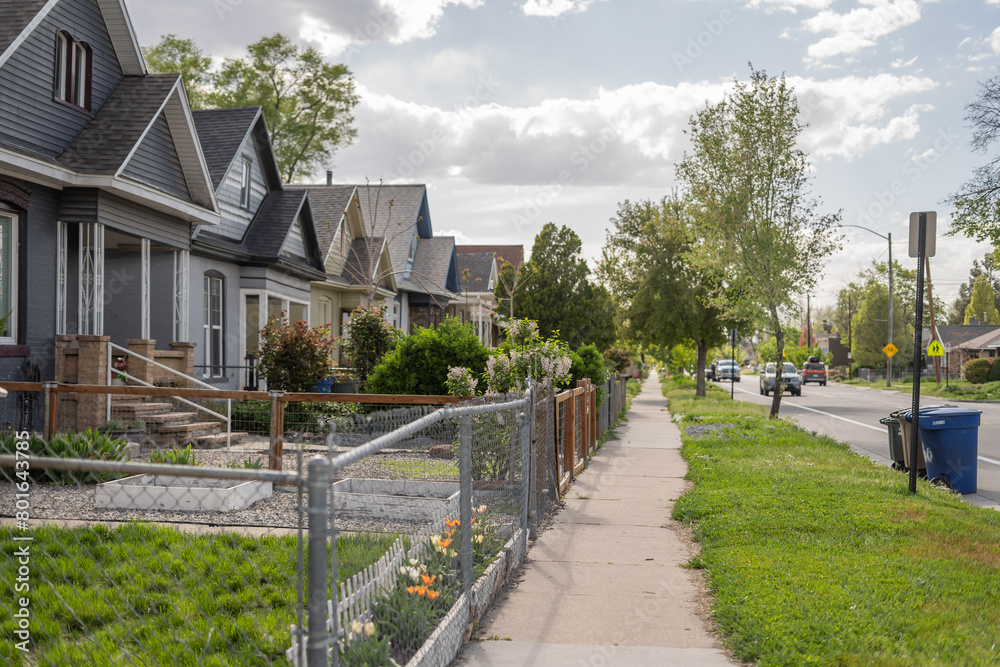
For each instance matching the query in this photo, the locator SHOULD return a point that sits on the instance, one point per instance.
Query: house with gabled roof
(478, 274)
(358, 268)
(102, 181)
(260, 261)
(425, 267)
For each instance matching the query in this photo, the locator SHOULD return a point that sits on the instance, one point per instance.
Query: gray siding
(230, 309)
(294, 246)
(161, 297)
(30, 116)
(78, 205)
(122, 295)
(236, 219)
(143, 222)
(38, 310)
(155, 161)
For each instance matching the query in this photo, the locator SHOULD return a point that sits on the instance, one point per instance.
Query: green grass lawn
(142, 594)
(818, 556)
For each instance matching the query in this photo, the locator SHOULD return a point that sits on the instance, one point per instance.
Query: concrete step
(141, 409)
(192, 429)
(169, 418)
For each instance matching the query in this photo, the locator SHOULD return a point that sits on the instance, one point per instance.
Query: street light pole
(888, 375)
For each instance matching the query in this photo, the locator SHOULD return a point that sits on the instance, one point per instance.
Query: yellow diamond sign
(935, 349)
(890, 349)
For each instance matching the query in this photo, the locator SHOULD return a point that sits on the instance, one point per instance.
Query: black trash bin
(895, 442)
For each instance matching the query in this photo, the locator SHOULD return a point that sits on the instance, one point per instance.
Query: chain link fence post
(531, 445)
(465, 499)
(320, 478)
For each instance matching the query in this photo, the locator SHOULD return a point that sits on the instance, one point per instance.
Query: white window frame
(262, 310)
(81, 56)
(214, 367)
(245, 175)
(325, 304)
(64, 69)
(13, 219)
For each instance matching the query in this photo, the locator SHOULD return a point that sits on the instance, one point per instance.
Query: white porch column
(144, 288)
(182, 259)
(91, 299)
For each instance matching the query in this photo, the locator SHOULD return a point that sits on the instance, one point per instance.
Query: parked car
(726, 369)
(814, 370)
(790, 379)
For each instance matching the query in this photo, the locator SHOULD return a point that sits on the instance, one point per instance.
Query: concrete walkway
(604, 585)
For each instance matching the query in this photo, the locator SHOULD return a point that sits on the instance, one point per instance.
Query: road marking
(856, 423)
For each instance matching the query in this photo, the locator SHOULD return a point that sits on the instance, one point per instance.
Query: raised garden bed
(172, 493)
(403, 499)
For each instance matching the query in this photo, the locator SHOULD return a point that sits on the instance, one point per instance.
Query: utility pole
(888, 375)
(809, 325)
(934, 335)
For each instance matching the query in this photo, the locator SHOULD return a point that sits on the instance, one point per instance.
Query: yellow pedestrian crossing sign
(890, 349)
(935, 349)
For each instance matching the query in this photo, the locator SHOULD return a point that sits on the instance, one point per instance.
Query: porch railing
(227, 418)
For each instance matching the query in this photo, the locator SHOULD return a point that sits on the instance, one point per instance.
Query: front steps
(168, 425)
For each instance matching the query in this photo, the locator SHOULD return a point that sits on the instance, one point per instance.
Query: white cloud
(789, 5)
(995, 40)
(395, 21)
(861, 27)
(900, 63)
(629, 135)
(553, 8)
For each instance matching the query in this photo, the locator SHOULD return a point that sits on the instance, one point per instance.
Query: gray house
(102, 183)
(259, 262)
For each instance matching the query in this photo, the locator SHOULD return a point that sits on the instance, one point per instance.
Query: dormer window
(245, 185)
(73, 71)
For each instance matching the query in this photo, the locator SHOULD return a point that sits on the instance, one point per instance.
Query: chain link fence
(124, 552)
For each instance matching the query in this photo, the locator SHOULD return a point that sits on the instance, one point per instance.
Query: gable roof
(271, 225)
(396, 212)
(435, 269)
(329, 202)
(480, 266)
(21, 17)
(957, 334)
(221, 133)
(504, 253)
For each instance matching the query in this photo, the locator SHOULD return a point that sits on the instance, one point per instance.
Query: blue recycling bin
(950, 438)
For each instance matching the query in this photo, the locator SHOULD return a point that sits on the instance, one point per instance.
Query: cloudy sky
(520, 112)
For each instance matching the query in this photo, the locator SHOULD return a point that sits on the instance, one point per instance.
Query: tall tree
(308, 104)
(510, 280)
(559, 294)
(871, 327)
(173, 54)
(753, 214)
(987, 270)
(977, 202)
(982, 305)
(661, 298)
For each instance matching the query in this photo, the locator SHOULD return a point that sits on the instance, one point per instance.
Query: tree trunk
(779, 338)
(702, 358)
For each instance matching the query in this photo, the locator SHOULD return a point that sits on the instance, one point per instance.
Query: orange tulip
(446, 543)
(451, 523)
(427, 580)
(432, 594)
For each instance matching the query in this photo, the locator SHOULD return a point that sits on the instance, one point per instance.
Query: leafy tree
(747, 180)
(977, 202)
(618, 358)
(871, 328)
(662, 298)
(988, 270)
(369, 339)
(588, 362)
(419, 363)
(173, 54)
(982, 304)
(559, 296)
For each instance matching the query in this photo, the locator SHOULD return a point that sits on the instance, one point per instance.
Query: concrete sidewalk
(604, 585)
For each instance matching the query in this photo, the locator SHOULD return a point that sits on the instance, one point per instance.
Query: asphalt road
(851, 414)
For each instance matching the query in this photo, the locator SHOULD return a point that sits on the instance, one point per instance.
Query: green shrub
(293, 356)
(618, 358)
(589, 363)
(994, 374)
(91, 445)
(977, 370)
(419, 363)
(370, 339)
(177, 457)
(248, 462)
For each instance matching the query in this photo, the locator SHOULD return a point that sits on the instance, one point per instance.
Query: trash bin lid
(946, 417)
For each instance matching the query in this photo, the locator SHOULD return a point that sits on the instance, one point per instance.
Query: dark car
(790, 379)
(814, 370)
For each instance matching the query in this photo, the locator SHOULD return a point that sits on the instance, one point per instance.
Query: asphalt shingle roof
(270, 225)
(105, 142)
(504, 253)
(431, 264)
(358, 260)
(480, 266)
(328, 203)
(956, 334)
(17, 14)
(394, 222)
(221, 133)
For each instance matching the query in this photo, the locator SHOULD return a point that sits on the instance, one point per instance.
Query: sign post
(920, 224)
(732, 378)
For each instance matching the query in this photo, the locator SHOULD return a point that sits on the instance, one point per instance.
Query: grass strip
(149, 595)
(819, 556)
